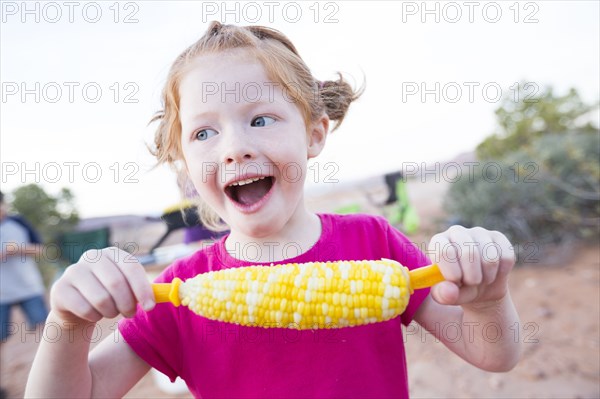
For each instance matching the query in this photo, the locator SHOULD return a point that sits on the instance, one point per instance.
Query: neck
(297, 236)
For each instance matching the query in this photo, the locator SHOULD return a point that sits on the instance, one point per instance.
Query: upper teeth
(247, 181)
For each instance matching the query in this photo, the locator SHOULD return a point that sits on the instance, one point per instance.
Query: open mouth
(250, 191)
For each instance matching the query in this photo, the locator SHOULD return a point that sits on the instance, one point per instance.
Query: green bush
(527, 114)
(547, 193)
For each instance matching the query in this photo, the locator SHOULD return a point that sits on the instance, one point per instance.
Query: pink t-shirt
(222, 360)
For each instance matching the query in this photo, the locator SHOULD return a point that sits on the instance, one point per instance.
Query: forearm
(489, 343)
(60, 368)
(480, 335)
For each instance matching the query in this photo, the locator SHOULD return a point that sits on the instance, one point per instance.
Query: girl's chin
(267, 221)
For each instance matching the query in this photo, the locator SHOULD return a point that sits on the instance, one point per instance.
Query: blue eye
(261, 121)
(205, 134)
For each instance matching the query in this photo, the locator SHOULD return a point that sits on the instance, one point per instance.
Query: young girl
(242, 116)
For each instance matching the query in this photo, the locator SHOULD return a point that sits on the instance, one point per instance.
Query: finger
(468, 258)
(93, 291)
(67, 299)
(445, 255)
(137, 279)
(445, 293)
(115, 282)
(490, 260)
(507, 254)
(467, 294)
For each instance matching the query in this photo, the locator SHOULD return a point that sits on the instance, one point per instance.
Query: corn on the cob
(301, 296)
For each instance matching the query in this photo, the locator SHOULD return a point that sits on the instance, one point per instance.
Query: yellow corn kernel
(324, 294)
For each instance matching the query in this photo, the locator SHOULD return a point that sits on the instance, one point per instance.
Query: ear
(317, 135)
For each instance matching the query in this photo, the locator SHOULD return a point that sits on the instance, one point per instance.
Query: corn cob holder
(301, 296)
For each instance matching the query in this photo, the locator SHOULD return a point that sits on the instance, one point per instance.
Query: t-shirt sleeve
(409, 255)
(154, 335)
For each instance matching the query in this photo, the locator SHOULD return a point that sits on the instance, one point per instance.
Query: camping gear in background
(391, 181)
(185, 215)
(396, 207)
(402, 213)
(179, 216)
(73, 244)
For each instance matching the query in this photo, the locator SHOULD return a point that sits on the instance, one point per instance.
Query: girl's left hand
(475, 262)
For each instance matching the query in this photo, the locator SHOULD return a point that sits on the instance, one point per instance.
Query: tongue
(249, 194)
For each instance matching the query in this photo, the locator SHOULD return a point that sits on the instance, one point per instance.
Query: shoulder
(34, 237)
(19, 220)
(356, 229)
(356, 222)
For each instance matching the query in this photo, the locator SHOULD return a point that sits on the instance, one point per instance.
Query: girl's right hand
(103, 283)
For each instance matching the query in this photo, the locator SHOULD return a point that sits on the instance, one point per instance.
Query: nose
(238, 147)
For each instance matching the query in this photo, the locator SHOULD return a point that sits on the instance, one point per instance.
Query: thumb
(445, 293)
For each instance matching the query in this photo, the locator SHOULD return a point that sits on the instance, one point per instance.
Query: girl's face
(245, 143)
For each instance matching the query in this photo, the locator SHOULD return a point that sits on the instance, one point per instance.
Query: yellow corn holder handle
(301, 296)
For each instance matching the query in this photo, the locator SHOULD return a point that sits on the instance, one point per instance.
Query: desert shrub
(546, 193)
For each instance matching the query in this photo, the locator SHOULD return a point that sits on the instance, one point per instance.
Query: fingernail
(148, 305)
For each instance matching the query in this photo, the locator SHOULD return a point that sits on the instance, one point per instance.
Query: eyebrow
(202, 115)
(259, 103)
(246, 106)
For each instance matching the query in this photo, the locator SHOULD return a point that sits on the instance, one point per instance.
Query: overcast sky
(80, 81)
